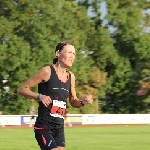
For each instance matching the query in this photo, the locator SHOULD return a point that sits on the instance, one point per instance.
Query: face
(66, 56)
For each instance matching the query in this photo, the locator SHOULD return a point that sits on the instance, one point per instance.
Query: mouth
(70, 61)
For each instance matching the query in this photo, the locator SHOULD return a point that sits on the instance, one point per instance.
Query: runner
(55, 85)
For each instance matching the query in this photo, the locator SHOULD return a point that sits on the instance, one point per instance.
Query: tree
(132, 46)
(30, 32)
(121, 53)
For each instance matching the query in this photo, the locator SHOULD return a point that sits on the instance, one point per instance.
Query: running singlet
(58, 92)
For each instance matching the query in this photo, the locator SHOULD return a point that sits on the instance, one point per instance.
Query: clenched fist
(87, 99)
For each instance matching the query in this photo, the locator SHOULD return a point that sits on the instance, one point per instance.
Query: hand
(46, 100)
(87, 99)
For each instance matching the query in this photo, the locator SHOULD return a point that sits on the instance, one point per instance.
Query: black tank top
(58, 92)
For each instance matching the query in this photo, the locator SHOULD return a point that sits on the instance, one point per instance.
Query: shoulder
(45, 72)
(72, 75)
(45, 69)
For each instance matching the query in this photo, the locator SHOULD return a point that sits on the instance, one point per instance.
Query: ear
(57, 53)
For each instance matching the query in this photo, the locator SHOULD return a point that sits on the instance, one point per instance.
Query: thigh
(45, 139)
(61, 148)
(60, 138)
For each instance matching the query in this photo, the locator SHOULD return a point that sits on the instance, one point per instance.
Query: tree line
(113, 52)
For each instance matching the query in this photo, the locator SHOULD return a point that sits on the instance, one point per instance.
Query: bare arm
(42, 75)
(74, 101)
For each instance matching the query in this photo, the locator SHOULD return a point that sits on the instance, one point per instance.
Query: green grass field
(84, 138)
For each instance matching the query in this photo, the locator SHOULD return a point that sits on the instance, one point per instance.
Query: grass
(84, 138)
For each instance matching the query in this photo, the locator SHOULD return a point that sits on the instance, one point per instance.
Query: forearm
(76, 103)
(27, 93)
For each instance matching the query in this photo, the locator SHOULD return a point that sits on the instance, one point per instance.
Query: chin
(68, 65)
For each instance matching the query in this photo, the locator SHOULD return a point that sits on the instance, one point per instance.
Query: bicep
(72, 95)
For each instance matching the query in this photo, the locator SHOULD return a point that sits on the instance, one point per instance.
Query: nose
(72, 56)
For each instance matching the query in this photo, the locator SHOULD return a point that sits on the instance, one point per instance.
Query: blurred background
(112, 40)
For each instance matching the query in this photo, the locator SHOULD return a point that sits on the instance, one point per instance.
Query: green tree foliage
(122, 53)
(132, 45)
(30, 32)
(110, 65)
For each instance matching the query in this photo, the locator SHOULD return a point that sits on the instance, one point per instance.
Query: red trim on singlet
(37, 128)
(58, 76)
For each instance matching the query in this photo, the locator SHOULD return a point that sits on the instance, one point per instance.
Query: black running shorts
(49, 139)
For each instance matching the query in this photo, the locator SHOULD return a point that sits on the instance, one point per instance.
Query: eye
(72, 53)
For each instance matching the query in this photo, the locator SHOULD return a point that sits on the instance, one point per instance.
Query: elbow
(71, 103)
(74, 105)
(19, 91)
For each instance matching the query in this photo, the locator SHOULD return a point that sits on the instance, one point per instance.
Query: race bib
(58, 109)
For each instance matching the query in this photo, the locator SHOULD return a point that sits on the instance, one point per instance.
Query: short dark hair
(59, 47)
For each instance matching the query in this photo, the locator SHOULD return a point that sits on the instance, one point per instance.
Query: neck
(60, 68)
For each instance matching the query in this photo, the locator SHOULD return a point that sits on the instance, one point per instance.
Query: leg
(60, 139)
(45, 140)
(60, 148)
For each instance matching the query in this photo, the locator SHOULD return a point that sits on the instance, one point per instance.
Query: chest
(59, 89)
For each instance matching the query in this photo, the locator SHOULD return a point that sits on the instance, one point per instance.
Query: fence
(83, 119)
